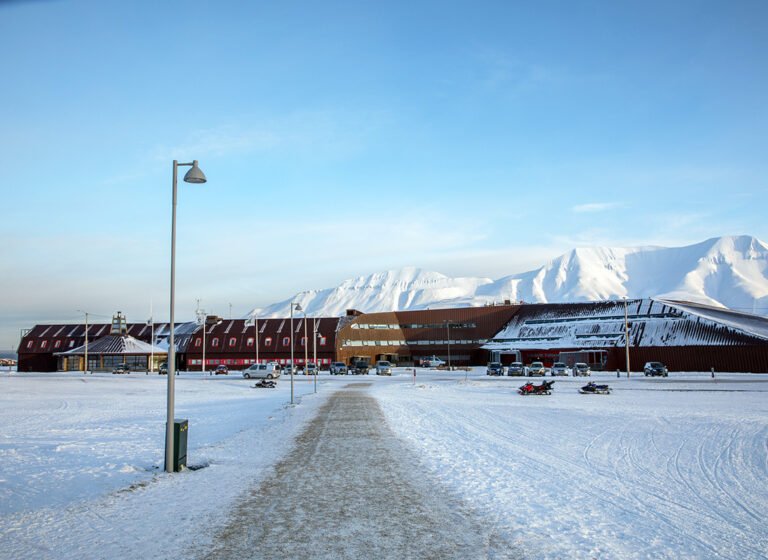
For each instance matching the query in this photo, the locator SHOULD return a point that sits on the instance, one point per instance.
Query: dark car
(221, 370)
(516, 369)
(495, 368)
(655, 369)
(360, 368)
(163, 368)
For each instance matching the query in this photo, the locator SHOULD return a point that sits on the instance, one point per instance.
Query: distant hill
(728, 272)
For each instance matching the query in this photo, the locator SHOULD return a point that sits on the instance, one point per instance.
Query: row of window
(413, 325)
(44, 344)
(321, 341)
(452, 342)
(247, 362)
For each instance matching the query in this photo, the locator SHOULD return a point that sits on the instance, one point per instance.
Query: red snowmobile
(530, 389)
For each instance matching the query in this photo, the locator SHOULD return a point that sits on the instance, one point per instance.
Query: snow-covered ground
(661, 468)
(81, 460)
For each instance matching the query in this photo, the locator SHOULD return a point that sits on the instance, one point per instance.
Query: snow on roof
(116, 344)
(651, 323)
(752, 324)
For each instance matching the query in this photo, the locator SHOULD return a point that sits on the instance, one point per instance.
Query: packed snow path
(350, 489)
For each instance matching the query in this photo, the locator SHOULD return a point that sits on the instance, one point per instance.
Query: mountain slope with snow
(726, 271)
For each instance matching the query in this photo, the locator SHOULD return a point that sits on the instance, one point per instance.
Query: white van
(262, 371)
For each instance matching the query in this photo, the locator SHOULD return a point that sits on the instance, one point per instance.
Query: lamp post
(85, 366)
(297, 307)
(152, 341)
(195, 176)
(314, 349)
(255, 322)
(626, 333)
(201, 316)
(306, 344)
(448, 327)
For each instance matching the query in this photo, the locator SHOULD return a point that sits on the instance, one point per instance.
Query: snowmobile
(265, 384)
(593, 388)
(530, 389)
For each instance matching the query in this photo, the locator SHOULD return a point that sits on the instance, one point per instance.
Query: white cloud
(594, 207)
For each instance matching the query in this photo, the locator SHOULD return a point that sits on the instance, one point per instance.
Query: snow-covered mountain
(726, 271)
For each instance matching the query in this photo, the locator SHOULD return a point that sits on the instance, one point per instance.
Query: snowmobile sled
(530, 389)
(593, 388)
(265, 384)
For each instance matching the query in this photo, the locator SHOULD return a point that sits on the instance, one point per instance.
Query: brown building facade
(406, 337)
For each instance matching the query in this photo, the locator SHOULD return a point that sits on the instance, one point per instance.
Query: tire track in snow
(671, 507)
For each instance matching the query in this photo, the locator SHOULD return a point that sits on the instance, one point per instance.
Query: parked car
(516, 369)
(537, 369)
(432, 361)
(262, 371)
(558, 368)
(360, 368)
(339, 368)
(494, 368)
(122, 368)
(383, 367)
(163, 368)
(655, 369)
(221, 370)
(309, 369)
(581, 369)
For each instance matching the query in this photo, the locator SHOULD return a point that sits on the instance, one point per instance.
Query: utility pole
(626, 333)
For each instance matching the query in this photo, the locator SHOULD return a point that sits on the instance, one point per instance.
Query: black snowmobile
(265, 384)
(593, 388)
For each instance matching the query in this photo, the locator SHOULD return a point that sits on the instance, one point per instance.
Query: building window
(268, 341)
(57, 344)
(322, 340)
(232, 341)
(198, 342)
(44, 344)
(286, 341)
(303, 340)
(249, 342)
(71, 343)
(30, 343)
(215, 342)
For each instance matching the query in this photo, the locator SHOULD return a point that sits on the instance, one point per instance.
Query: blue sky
(344, 138)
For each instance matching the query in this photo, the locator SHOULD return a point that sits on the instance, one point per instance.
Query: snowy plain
(661, 468)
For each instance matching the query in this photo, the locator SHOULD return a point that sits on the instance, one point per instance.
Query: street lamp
(626, 333)
(448, 327)
(85, 367)
(314, 349)
(195, 176)
(297, 307)
(255, 322)
(306, 344)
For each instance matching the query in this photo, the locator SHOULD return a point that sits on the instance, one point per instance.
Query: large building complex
(686, 336)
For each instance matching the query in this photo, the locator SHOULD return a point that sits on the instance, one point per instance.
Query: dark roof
(48, 338)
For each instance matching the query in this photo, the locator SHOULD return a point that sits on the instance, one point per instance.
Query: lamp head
(195, 174)
(298, 307)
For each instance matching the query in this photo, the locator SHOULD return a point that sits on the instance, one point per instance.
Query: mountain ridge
(729, 271)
